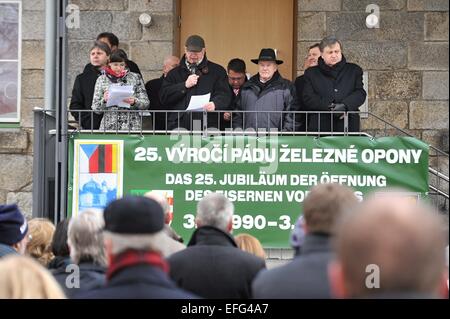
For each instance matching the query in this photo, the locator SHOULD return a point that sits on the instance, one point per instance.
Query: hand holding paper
(197, 102)
(209, 107)
(117, 95)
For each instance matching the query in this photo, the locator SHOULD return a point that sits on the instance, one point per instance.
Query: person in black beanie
(133, 234)
(13, 231)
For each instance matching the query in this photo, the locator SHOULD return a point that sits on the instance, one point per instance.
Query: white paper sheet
(119, 93)
(197, 102)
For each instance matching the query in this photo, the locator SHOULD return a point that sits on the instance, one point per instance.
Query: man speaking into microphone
(195, 76)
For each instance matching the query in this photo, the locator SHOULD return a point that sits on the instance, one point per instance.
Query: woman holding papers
(119, 89)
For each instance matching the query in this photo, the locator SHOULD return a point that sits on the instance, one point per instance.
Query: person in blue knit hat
(13, 231)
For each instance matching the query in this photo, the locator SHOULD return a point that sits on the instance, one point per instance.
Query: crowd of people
(330, 91)
(383, 247)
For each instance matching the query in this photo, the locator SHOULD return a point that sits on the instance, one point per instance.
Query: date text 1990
(248, 222)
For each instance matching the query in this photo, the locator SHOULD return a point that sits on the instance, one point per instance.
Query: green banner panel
(267, 178)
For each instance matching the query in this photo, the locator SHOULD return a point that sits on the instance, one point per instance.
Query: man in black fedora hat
(195, 75)
(267, 97)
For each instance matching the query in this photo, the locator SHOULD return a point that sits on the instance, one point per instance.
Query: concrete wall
(406, 60)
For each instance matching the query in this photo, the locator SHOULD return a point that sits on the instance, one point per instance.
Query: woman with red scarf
(116, 73)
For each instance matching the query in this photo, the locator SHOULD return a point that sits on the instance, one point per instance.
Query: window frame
(19, 64)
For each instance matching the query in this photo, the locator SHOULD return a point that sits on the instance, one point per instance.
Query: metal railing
(276, 119)
(181, 122)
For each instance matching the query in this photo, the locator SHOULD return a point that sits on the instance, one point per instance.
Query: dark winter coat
(306, 276)
(141, 281)
(82, 95)
(212, 266)
(133, 67)
(324, 85)
(175, 96)
(277, 94)
(153, 88)
(92, 276)
(300, 118)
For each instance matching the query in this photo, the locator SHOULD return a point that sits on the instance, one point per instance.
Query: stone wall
(147, 46)
(16, 144)
(406, 60)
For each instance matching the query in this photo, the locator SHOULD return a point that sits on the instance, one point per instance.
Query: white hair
(85, 238)
(149, 242)
(215, 210)
(160, 199)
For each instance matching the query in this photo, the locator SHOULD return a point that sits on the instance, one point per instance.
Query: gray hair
(329, 41)
(102, 46)
(215, 210)
(161, 200)
(85, 238)
(148, 242)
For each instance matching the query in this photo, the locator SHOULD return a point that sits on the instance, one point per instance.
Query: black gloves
(338, 107)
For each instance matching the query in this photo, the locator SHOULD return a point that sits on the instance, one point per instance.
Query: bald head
(170, 62)
(402, 238)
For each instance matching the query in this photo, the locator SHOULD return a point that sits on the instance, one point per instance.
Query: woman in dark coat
(83, 88)
(333, 85)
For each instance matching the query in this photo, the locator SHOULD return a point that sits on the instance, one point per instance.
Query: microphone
(193, 68)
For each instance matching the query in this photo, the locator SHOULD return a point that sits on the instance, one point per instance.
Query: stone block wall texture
(147, 46)
(406, 60)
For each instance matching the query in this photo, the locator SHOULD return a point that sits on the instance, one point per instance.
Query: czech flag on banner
(98, 158)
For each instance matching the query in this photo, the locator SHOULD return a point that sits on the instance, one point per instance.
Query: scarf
(276, 76)
(334, 70)
(135, 257)
(113, 76)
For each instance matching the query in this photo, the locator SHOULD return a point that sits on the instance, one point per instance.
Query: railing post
(345, 123)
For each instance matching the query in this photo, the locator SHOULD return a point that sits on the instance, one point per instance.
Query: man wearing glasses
(237, 76)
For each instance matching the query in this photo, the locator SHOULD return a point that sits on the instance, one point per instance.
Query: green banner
(267, 178)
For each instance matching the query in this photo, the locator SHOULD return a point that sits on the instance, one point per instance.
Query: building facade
(406, 62)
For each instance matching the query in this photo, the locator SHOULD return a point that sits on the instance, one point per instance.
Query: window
(10, 24)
